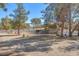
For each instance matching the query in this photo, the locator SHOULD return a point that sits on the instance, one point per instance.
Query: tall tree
(75, 16)
(20, 15)
(49, 15)
(3, 6)
(59, 13)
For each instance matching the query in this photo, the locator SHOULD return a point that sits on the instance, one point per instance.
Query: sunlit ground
(38, 44)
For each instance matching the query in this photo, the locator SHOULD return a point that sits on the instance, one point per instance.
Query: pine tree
(20, 15)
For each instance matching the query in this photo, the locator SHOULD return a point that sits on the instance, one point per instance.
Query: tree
(6, 23)
(49, 13)
(57, 13)
(27, 25)
(75, 16)
(2, 5)
(36, 22)
(20, 16)
(49, 16)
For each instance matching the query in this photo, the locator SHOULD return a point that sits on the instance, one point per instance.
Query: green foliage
(27, 25)
(21, 16)
(36, 22)
(23, 35)
(2, 5)
(6, 23)
(52, 26)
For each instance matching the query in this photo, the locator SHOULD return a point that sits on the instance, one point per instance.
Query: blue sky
(34, 9)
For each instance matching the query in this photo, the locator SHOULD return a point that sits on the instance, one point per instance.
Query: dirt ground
(38, 45)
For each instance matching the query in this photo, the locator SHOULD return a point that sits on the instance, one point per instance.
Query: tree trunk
(75, 28)
(70, 27)
(62, 28)
(69, 17)
(78, 28)
(57, 30)
(18, 30)
(70, 33)
(78, 32)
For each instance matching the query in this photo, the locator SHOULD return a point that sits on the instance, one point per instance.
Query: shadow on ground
(72, 47)
(36, 43)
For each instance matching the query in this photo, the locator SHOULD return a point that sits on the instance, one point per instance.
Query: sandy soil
(38, 45)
